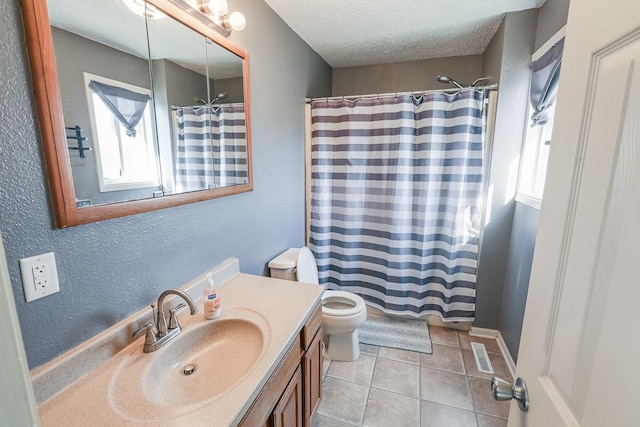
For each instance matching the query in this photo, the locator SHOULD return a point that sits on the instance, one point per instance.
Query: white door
(580, 346)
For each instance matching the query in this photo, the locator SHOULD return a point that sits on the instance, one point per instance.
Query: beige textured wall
(405, 76)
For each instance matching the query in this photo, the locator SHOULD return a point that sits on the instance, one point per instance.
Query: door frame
(16, 390)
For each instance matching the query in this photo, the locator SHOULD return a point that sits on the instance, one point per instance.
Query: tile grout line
(366, 404)
(418, 406)
(419, 400)
(340, 420)
(444, 370)
(466, 369)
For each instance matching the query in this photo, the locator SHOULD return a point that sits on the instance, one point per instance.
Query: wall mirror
(138, 111)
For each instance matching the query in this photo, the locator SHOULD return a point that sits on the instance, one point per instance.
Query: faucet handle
(146, 327)
(150, 337)
(173, 319)
(178, 307)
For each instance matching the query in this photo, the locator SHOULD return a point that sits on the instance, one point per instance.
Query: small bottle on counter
(211, 299)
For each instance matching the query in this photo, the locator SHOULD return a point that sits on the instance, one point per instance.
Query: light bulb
(237, 21)
(219, 7)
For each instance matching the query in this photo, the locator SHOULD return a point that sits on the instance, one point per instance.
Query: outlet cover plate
(39, 276)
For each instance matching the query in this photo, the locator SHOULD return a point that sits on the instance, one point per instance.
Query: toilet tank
(284, 265)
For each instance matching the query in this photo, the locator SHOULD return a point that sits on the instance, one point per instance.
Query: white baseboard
(507, 356)
(483, 332)
(496, 335)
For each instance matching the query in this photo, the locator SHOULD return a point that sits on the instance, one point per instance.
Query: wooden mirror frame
(49, 105)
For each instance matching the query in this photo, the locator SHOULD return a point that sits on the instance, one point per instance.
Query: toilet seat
(345, 297)
(307, 272)
(340, 324)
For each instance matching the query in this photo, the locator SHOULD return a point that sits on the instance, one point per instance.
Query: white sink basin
(206, 360)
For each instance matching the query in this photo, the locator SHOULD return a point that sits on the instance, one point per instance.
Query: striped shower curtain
(211, 147)
(396, 185)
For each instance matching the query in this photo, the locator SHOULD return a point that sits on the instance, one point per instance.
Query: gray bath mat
(396, 332)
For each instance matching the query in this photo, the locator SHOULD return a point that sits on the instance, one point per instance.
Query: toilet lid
(307, 271)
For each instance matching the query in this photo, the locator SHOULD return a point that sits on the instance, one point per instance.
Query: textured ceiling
(362, 32)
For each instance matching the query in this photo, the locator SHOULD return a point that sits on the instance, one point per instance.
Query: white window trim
(528, 199)
(549, 44)
(107, 185)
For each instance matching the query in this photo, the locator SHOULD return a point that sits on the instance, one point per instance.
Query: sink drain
(188, 369)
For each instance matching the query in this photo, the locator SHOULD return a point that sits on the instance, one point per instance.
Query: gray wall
(231, 86)
(514, 40)
(405, 76)
(514, 297)
(492, 56)
(551, 17)
(183, 85)
(109, 270)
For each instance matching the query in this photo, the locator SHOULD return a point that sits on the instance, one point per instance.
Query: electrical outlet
(39, 276)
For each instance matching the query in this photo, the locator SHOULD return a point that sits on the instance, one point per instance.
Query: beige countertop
(90, 400)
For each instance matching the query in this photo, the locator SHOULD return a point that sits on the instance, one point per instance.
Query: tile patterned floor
(390, 387)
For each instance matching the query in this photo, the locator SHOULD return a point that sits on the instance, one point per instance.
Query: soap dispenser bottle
(211, 299)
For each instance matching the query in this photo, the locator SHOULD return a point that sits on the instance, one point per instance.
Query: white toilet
(342, 312)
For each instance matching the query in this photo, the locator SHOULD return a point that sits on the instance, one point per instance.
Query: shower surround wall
(111, 269)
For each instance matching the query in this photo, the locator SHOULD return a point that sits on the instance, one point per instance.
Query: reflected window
(121, 120)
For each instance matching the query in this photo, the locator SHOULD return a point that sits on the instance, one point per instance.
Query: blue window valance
(544, 83)
(126, 105)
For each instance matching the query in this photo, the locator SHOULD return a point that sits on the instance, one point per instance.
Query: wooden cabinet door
(312, 365)
(288, 412)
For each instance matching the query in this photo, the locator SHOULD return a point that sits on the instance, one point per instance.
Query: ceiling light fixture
(217, 11)
(144, 9)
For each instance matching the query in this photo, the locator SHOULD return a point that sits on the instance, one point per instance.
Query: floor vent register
(482, 358)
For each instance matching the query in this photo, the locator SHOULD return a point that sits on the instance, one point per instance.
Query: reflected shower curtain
(211, 147)
(395, 200)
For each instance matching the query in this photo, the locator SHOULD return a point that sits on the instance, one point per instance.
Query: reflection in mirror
(105, 90)
(110, 135)
(199, 101)
(228, 112)
(121, 126)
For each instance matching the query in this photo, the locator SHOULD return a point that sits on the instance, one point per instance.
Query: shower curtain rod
(493, 86)
(177, 107)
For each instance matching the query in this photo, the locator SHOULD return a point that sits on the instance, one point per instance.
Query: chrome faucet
(163, 333)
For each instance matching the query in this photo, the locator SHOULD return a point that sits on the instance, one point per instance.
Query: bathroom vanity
(293, 393)
(259, 364)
